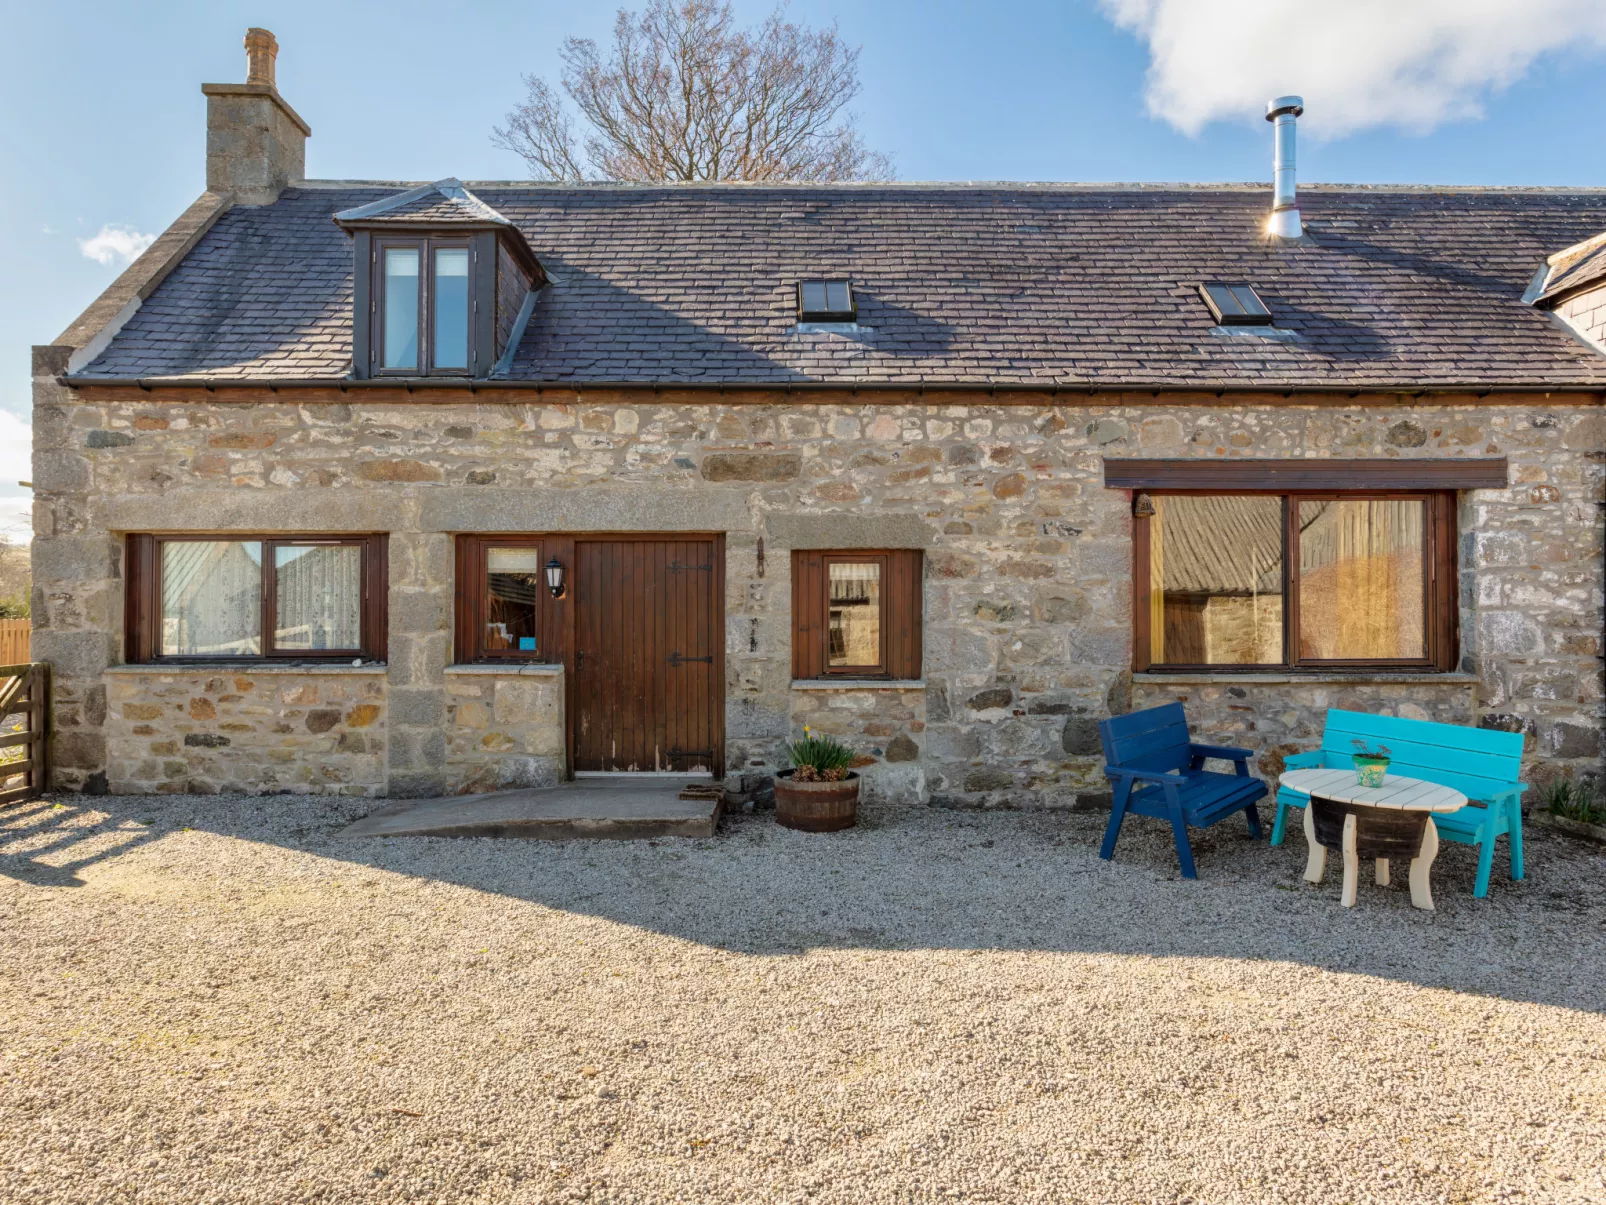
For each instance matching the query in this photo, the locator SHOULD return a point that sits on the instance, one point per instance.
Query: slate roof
(444, 201)
(988, 285)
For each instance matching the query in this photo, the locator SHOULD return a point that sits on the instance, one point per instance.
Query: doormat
(703, 790)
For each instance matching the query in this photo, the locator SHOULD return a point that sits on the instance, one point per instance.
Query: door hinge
(677, 660)
(676, 567)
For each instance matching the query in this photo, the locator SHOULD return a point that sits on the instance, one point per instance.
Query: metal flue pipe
(1284, 221)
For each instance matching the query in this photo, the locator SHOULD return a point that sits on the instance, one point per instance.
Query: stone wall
(504, 728)
(882, 721)
(1028, 559)
(303, 732)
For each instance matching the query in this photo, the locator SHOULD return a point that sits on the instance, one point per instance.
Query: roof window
(825, 301)
(1235, 305)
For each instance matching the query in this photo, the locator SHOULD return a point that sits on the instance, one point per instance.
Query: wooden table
(1395, 819)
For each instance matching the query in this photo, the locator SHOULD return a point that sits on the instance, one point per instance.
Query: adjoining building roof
(988, 285)
(1569, 271)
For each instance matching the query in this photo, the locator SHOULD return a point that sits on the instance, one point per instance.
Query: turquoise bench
(1480, 763)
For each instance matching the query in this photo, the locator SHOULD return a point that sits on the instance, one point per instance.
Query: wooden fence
(24, 731)
(14, 640)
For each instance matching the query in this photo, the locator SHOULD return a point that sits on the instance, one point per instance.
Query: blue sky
(102, 118)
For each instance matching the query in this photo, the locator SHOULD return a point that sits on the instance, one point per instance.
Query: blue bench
(1480, 763)
(1158, 770)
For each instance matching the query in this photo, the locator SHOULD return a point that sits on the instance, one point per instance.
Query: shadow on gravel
(46, 843)
(922, 878)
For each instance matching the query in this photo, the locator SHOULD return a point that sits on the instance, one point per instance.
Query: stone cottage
(412, 489)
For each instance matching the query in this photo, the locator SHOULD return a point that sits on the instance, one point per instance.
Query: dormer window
(1235, 305)
(825, 301)
(422, 304)
(444, 285)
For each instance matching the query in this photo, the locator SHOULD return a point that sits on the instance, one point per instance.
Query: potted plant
(1370, 764)
(820, 793)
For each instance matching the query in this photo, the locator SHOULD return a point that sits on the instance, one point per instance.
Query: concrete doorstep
(621, 808)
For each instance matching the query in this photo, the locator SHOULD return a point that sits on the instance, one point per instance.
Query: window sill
(859, 684)
(250, 667)
(1316, 678)
(506, 667)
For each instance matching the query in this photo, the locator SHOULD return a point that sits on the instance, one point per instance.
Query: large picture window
(856, 614)
(1294, 580)
(209, 598)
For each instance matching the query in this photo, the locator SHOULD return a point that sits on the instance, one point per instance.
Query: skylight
(825, 301)
(1235, 305)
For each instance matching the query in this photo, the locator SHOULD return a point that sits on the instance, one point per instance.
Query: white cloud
(1414, 64)
(120, 245)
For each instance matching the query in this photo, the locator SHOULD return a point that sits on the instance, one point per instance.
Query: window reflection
(449, 347)
(1216, 584)
(855, 614)
(211, 598)
(401, 307)
(318, 599)
(513, 587)
(1361, 579)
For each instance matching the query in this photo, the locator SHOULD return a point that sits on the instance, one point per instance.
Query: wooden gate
(24, 731)
(649, 664)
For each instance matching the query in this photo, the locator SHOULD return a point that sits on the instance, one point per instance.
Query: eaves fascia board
(1073, 388)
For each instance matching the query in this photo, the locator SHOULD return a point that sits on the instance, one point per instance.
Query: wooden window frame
(470, 588)
(143, 598)
(426, 246)
(1441, 616)
(902, 614)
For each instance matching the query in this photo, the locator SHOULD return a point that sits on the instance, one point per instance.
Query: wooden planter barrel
(816, 807)
(1379, 832)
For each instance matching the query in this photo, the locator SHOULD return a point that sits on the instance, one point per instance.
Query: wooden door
(649, 658)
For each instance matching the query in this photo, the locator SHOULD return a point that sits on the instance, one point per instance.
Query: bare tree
(686, 95)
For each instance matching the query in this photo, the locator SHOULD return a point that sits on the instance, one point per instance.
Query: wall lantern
(554, 577)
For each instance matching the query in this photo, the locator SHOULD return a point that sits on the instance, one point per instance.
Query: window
(401, 308)
(450, 343)
(1291, 580)
(825, 301)
(501, 589)
(1235, 305)
(423, 303)
(222, 598)
(856, 614)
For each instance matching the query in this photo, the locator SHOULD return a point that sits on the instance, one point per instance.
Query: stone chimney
(255, 142)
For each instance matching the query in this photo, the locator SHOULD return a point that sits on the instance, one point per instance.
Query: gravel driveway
(217, 1000)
